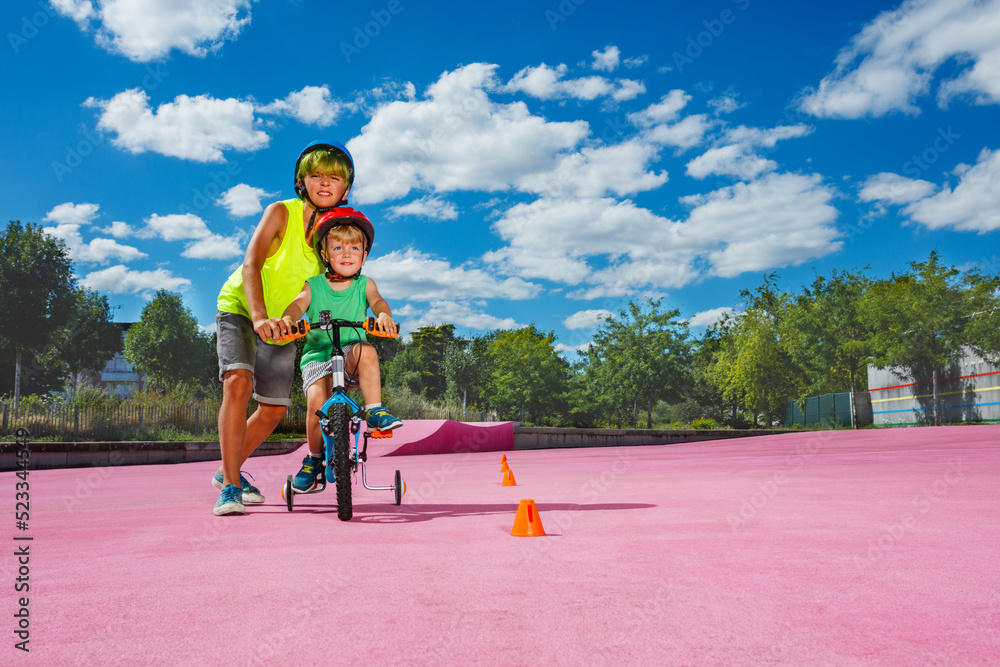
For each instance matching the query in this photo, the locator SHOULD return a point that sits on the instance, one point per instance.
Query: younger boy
(278, 258)
(343, 240)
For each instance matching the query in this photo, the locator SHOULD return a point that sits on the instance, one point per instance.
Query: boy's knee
(272, 410)
(238, 384)
(367, 353)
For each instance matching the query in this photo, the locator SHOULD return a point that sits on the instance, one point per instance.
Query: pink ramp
(444, 436)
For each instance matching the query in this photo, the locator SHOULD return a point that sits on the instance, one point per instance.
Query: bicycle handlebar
(303, 327)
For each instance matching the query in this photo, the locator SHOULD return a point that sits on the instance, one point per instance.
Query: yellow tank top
(283, 273)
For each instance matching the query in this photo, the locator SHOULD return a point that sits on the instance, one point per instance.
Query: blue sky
(524, 162)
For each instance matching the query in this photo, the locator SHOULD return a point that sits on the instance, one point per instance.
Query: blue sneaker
(310, 476)
(380, 419)
(251, 494)
(229, 501)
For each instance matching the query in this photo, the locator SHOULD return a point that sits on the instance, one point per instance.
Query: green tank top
(283, 273)
(350, 304)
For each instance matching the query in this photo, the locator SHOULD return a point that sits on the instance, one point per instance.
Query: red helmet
(342, 215)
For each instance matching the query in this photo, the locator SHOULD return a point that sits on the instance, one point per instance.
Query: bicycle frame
(354, 457)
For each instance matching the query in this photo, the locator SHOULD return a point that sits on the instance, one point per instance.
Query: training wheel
(400, 488)
(288, 494)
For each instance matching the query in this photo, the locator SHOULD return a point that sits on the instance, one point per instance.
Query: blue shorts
(239, 348)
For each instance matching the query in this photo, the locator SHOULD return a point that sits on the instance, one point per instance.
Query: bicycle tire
(340, 421)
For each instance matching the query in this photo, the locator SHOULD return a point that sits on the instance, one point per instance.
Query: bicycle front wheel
(340, 422)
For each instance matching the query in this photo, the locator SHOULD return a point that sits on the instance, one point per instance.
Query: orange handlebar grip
(299, 329)
(370, 328)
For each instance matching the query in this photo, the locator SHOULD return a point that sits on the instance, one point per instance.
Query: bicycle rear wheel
(340, 421)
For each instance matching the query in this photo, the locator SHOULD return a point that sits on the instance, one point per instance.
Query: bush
(704, 423)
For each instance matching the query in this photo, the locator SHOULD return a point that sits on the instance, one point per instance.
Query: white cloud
(175, 227)
(243, 200)
(72, 214)
(662, 124)
(547, 83)
(554, 239)
(587, 319)
(707, 318)
(460, 314)
(188, 226)
(592, 172)
(431, 208)
(80, 11)
(144, 30)
(736, 155)
(972, 206)
(69, 218)
(894, 189)
(892, 61)
(778, 220)
(560, 347)
(682, 135)
(606, 60)
(414, 276)
(123, 280)
(627, 89)
(725, 104)
(666, 110)
(97, 251)
(312, 105)
(730, 160)
(214, 247)
(456, 139)
(120, 230)
(191, 128)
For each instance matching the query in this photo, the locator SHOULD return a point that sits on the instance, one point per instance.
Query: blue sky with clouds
(524, 162)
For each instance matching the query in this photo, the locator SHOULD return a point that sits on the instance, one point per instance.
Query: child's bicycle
(339, 418)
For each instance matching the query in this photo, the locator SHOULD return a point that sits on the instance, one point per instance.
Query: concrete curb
(530, 437)
(89, 454)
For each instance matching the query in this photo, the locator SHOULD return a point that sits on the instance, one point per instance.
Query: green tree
(529, 378)
(466, 367)
(90, 339)
(827, 335)
(166, 343)
(752, 365)
(36, 292)
(926, 319)
(419, 364)
(639, 358)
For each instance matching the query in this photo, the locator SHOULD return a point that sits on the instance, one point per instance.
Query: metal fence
(839, 409)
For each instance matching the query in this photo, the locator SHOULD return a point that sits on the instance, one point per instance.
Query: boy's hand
(273, 328)
(384, 322)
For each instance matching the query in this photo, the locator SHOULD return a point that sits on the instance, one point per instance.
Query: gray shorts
(273, 366)
(316, 370)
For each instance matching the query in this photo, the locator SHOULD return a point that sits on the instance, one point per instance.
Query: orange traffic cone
(503, 465)
(527, 523)
(508, 478)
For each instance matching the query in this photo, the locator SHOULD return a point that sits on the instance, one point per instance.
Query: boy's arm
(265, 241)
(380, 308)
(283, 325)
(297, 308)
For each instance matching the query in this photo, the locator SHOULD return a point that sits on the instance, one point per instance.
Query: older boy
(278, 259)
